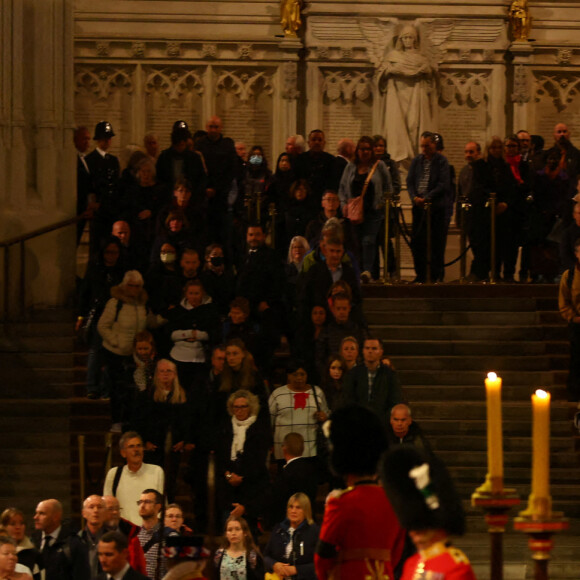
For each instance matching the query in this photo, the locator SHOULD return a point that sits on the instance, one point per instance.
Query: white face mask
(168, 257)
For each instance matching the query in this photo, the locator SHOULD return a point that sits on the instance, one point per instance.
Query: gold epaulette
(458, 556)
(336, 493)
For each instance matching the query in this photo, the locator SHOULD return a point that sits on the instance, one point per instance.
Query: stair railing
(20, 241)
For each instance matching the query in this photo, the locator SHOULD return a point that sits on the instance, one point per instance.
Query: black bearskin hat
(421, 491)
(357, 439)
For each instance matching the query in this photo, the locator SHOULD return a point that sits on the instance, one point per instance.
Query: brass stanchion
(258, 206)
(82, 472)
(272, 213)
(386, 251)
(492, 199)
(465, 207)
(396, 204)
(428, 218)
(109, 448)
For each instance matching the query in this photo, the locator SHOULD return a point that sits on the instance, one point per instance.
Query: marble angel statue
(406, 75)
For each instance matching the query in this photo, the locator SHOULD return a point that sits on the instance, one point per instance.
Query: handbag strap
(368, 179)
(315, 398)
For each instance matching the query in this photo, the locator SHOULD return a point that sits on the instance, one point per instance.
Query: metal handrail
(21, 239)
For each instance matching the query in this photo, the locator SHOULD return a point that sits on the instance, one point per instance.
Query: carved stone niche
(289, 76)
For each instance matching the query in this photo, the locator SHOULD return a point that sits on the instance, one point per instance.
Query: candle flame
(492, 376)
(541, 394)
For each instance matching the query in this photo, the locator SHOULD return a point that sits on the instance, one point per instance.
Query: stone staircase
(35, 388)
(443, 340)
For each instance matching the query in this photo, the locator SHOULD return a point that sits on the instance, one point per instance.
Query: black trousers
(419, 243)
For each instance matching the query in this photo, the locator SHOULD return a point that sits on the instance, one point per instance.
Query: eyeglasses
(145, 501)
(236, 407)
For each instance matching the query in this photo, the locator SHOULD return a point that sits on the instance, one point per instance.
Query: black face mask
(217, 261)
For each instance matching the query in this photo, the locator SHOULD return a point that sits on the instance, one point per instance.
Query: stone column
(286, 103)
(522, 52)
(38, 184)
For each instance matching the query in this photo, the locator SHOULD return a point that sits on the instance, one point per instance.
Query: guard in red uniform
(425, 501)
(360, 538)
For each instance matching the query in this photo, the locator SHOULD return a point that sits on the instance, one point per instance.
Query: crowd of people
(203, 262)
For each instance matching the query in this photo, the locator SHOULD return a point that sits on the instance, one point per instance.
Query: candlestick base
(540, 532)
(496, 507)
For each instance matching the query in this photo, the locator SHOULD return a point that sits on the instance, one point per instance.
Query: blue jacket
(381, 181)
(304, 543)
(439, 179)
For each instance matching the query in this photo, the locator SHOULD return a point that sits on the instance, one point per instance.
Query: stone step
(474, 332)
(535, 379)
(459, 304)
(25, 456)
(432, 291)
(478, 443)
(474, 392)
(466, 363)
(471, 347)
(519, 458)
(455, 318)
(42, 376)
(38, 359)
(436, 427)
(468, 410)
(64, 344)
(514, 476)
(40, 329)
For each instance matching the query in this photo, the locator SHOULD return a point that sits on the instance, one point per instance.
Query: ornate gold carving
(290, 17)
(520, 20)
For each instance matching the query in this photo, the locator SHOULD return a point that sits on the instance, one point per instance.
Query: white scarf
(240, 428)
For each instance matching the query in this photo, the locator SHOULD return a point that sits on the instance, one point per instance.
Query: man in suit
(373, 384)
(299, 474)
(113, 557)
(63, 554)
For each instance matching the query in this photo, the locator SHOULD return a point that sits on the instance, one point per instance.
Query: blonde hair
(159, 395)
(304, 502)
(253, 401)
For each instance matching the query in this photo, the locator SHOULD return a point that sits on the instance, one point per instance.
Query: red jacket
(360, 536)
(443, 561)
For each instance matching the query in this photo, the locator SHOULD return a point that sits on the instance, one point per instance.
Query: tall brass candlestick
(494, 433)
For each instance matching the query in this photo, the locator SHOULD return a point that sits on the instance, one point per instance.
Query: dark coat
(251, 465)
(66, 559)
(414, 436)
(129, 575)
(439, 180)
(204, 318)
(192, 169)
(319, 170)
(300, 475)
(261, 277)
(303, 547)
(385, 391)
(313, 286)
(105, 174)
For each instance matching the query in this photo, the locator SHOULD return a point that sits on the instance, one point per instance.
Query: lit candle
(541, 454)
(494, 433)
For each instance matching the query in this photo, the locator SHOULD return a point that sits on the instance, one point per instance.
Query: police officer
(104, 169)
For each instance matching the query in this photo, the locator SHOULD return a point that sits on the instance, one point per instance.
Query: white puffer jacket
(118, 335)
